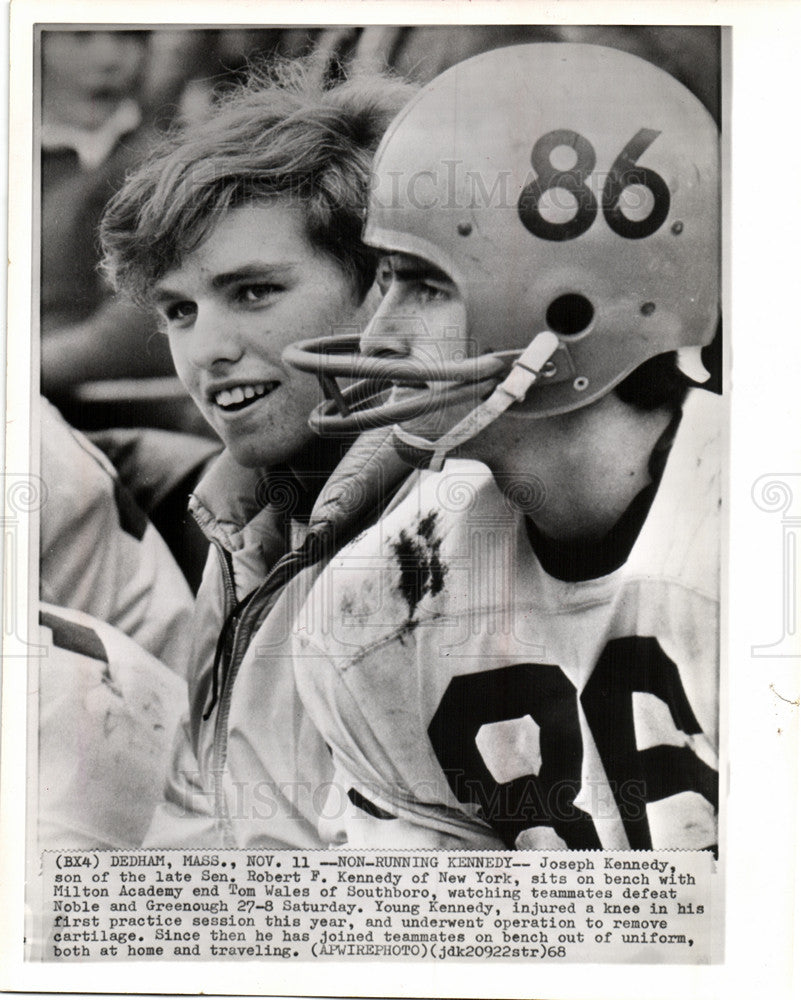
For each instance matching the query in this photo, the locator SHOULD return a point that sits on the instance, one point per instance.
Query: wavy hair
(286, 133)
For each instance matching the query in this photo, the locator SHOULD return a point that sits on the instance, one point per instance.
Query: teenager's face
(255, 285)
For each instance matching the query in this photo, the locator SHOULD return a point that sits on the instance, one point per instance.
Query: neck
(313, 464)
(584, 468)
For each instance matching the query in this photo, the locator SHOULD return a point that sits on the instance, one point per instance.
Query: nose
(216, 339)
(389, 332)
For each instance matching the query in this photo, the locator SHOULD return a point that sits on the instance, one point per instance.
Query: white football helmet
(569, 191)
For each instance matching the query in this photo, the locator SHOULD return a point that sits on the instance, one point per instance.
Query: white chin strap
(525, 372)
(690, 362)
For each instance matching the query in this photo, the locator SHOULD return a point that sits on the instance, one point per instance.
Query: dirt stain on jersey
(359, 604)
(421, 569)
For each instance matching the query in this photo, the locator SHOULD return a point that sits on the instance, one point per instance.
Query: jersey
(100, 554)
(473, 700)
(107, 711)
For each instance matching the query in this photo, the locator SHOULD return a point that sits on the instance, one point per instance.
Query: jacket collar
(235, 505)
(226, 500)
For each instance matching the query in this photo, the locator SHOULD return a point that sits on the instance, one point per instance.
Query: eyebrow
(257, 270)
(409, 268)
(161, 296)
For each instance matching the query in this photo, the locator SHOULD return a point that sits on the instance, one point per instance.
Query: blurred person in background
(244, 232)
(93, 130)
(99, 552)
(421, 52)
(107, 710)
(101, 100)
(114, 614)
(115, 606)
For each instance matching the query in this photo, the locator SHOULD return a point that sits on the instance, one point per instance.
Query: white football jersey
(107, 712)
(471, 699)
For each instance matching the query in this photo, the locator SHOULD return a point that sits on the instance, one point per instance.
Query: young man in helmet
(524, 652)
(244, 233)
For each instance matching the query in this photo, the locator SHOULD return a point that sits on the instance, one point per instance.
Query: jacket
(247, 764)
(249, 769)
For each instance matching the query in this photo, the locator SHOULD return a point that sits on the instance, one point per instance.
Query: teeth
(232, 397)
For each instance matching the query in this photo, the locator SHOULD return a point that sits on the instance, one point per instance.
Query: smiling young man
(524, 652)
(230, 307)
(245, 234)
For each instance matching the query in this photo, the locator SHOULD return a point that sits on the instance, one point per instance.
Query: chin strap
(526, 370)
(690, 362)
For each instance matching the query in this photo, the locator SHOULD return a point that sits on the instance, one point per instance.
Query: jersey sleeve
(107, 712)
(99, 552)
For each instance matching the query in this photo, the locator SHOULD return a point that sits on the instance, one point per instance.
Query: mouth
(239, 397)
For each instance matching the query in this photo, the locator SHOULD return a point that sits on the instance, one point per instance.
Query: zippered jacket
(248, 768)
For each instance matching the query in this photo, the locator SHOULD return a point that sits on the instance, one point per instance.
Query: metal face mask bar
(371, 402)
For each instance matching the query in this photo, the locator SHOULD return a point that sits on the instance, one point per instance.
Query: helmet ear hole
(569, 314)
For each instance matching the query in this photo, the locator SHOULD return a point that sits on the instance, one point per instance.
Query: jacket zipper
(227, 567)
(218, 752)
(242, 625)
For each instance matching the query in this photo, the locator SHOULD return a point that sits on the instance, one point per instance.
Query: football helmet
(571, 192)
